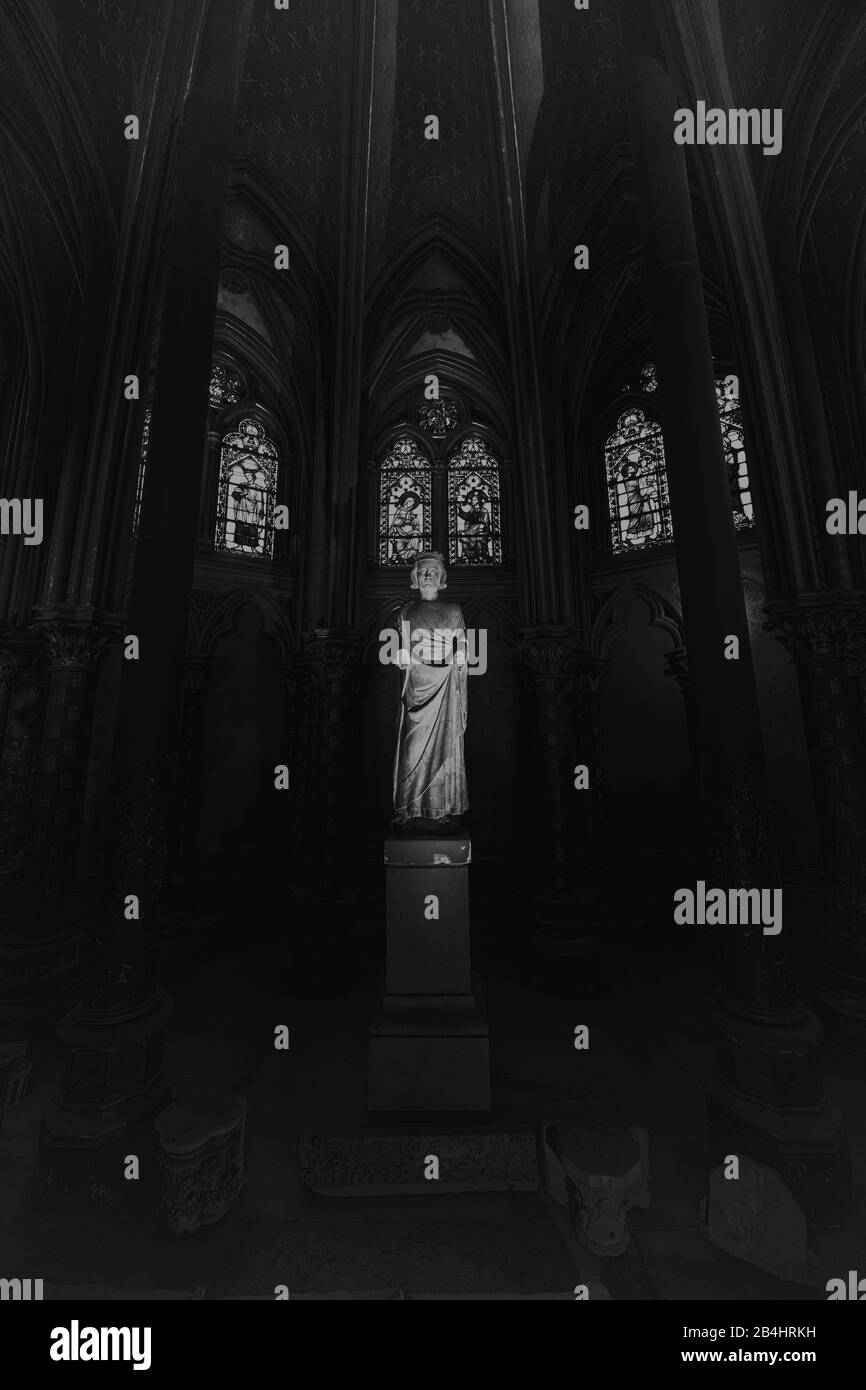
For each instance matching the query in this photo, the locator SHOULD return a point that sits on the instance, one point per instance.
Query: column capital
(551, 652)
(821, 625)
(556, 653)
(74, 640)
(333, 654)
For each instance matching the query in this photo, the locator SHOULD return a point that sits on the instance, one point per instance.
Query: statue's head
(429, 573)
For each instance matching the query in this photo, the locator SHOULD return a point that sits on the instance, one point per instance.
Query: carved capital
(72, 645)
(333, 655)
(820, 627)
(553, 654)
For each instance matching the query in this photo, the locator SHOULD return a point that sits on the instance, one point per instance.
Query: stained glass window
(637, 484)
(142, 469)
(404, 503)
(226, 387)
(247, 489)
(474, 534)
(649, 377)
(731, 419)
(439, 417)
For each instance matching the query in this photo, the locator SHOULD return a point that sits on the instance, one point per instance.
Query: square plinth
(429, 1052)
(427, 885)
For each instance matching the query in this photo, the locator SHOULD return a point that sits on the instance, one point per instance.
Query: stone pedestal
(202, 1159)
(112, 1083)
(429, 1043)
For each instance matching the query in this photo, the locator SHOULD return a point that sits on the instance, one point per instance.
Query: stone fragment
(755, 1218)
(599, 1171)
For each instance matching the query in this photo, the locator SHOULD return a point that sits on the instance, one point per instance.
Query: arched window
(404, 503)
(247, 489)
(637, 479)
(226, 387)
(728, 397)
(634, 457)
(474, 532)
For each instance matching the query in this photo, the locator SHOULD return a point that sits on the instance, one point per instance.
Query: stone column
(209, 489)
(566, 826)
(334, 670)
(9, 667)
(678, 667)
(299, 736)
(8, 671)
(187, 788)
(25, 689)
(39, 960)
(820, 632)
(113, 1079)
(766, 1098)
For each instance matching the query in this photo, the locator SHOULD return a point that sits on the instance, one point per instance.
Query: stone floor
(650, 1052)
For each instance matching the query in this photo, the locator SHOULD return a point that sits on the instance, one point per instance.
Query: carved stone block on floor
(755, 1218)
(351, 1164)
(598, 1171)
(202, 1159)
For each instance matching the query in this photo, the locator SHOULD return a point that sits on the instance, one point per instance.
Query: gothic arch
(218, 619)
(610, 619)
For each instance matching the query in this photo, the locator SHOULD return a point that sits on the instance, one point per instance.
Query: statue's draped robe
(429, 770)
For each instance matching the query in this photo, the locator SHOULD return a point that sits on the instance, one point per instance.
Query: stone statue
(429, 770)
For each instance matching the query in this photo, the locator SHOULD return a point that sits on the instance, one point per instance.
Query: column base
(112, 1087)
(429, 1052)
(783, 1121)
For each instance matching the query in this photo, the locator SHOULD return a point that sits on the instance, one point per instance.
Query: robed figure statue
(429, 770)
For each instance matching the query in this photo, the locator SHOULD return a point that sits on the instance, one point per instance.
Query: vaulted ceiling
(71, 69)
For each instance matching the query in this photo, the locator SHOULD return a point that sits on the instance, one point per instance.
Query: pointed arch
(610, 620)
